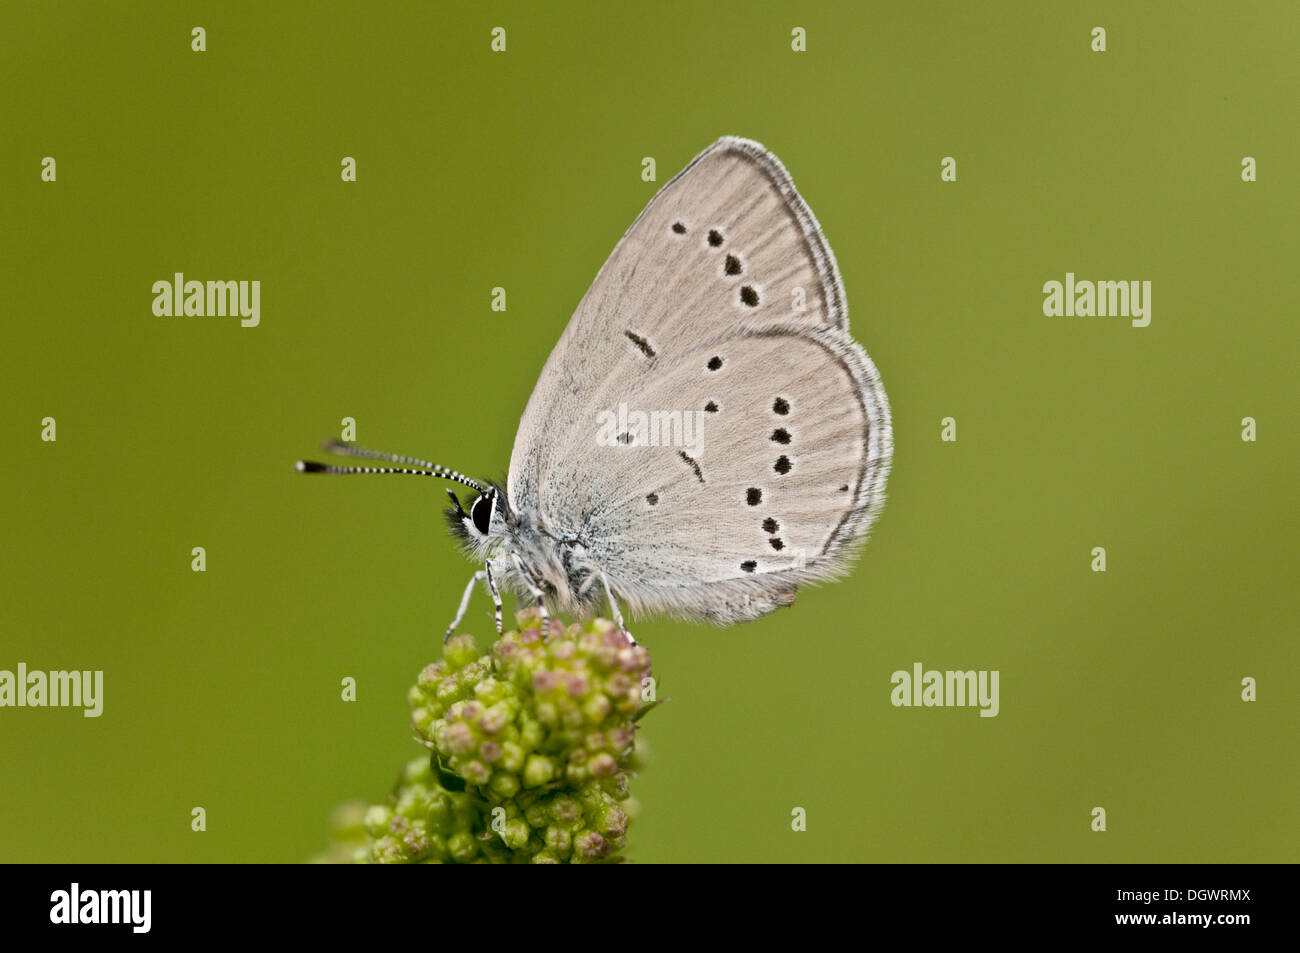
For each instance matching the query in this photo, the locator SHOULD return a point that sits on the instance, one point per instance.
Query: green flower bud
(516, 832)
(462, 846)
(377, 820)
(538, 771)
(504, 784)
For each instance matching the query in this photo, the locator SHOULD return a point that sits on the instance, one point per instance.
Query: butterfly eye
(481, 512)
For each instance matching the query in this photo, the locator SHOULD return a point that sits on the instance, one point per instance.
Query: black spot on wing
(691, 462)
(642, 344)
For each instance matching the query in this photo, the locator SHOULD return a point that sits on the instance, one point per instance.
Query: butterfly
(758, 444)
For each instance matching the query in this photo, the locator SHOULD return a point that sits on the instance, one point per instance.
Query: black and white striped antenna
(352, 450)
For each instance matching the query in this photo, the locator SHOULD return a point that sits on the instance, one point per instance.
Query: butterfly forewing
(727, 241)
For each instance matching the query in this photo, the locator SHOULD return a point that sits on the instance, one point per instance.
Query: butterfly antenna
(351, 450)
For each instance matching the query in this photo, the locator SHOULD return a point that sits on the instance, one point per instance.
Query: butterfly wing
(728, 240)
(778, 469)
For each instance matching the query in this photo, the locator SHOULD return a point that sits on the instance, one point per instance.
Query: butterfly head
(483, 522)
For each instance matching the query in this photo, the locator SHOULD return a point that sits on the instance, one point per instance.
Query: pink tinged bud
(558, 840)
(603, 765)
(475, 772)
(620, 685)
(614, 823)
(543, 681)
(417, 842)
(458, 738)
(591, 845)
(577, 685)
(471, 710)
(493, 720)
(618, 785)
(388, 850)
(566, 811)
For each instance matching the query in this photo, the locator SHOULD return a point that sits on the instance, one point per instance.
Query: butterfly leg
(613, 605)
(464, 604)
(534, 590)
(496, 593)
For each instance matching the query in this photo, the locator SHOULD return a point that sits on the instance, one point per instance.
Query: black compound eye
(481, 512)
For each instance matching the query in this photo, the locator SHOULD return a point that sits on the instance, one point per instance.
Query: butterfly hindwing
(777, 466)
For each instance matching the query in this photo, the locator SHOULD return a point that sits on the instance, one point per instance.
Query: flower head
(531, 746)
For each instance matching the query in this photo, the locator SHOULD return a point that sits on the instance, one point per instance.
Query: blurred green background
(522, 170)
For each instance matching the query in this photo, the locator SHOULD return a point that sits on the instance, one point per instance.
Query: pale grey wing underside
(786, 471)
(727, 241)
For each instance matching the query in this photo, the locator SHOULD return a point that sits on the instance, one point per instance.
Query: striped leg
(464, 603)
(618, 616)
(496, 593)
